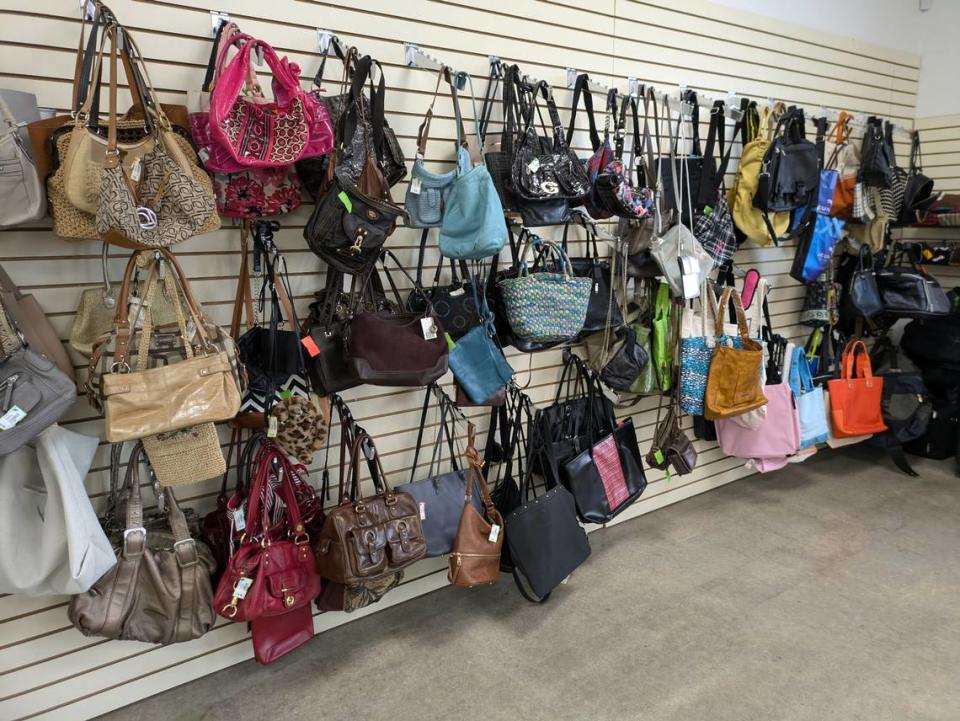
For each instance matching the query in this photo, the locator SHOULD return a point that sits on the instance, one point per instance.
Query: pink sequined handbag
(253, 132)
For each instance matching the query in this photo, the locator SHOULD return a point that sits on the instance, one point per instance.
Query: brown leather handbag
(159, 591)
(144, 400)
(733, 382)
(363, 539)
(475, 559)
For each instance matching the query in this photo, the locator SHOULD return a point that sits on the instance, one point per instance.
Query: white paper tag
(415, 186)
(239, 519)
(11, 418)
(429, 328)
(534, 165)
(457, 292)
(494, 533)
(243, 585)
(204, 155)
(136, 171)
(423, 510)
(272, 427)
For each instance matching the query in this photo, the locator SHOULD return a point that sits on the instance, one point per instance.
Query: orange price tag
(311, 345)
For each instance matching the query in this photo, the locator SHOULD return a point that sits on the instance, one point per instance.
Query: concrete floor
(829, 590)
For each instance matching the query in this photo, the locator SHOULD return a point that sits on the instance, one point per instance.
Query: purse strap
(494, 80)
(272, 460)
(475, 476)
(581, 88)
(443, 432)
(733, 295)
(856, 361)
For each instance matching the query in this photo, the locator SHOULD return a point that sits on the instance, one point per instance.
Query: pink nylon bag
(252, 132)
(776, 438)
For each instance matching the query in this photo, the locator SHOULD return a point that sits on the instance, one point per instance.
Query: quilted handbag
(258, 134)
(544, 306)
(855, 397)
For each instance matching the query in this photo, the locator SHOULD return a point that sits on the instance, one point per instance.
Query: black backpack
(941, 438)
(906, 403)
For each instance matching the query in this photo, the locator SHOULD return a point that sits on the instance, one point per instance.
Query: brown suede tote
(475, 559)
(733, 382)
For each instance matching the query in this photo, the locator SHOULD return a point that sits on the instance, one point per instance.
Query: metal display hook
(414, 57)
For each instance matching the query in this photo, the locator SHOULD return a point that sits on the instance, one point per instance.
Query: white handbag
(51, 538)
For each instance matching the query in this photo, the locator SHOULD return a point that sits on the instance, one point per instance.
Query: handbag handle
(734, 296)
(856, 361)
(134, 534)
(494, 80)
(475, 475)
(363, 444)
(271, 458)
(442, 432)
(801, 380)
(234, 75)
(582, 88)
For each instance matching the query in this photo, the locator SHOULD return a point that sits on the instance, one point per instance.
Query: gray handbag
(21, 191)
(34, 392)
(439, 496)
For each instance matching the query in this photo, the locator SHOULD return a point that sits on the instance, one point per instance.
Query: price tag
(239, 519)
(423, 510)
(494, 533)
(242, 587)
(136, 171)
(272, 427)
(534, 165)
(456, 293)
(658, 455)
(415, 186)
(313, 350)
(11, 418)
(429, 328)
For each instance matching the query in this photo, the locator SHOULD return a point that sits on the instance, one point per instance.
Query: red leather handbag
(276, 636)
(855, 396)
(263, 134)
(272, 571)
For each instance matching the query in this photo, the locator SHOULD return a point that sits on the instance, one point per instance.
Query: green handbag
(662, 340)
(646, 383)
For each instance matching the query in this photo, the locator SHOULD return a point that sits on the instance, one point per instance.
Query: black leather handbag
(545, 541)
(699, 166)
(598, 270)
(608, 477)
(907, 290)
(864, 294)
(453, 304)
(626, 363)
(876, 155)
(918, 192)
(439, 495)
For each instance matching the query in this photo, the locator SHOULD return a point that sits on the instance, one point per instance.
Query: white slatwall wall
(48, 670)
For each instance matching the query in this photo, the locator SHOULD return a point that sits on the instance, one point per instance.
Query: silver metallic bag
(22, 198)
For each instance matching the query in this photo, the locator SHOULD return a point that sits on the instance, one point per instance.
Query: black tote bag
(545, 540)
(597, 270)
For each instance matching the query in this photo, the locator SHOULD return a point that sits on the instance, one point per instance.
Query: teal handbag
(543, 306)
(473, 225)
(477, 363)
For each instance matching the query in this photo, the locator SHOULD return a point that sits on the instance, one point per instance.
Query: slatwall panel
(48, 670)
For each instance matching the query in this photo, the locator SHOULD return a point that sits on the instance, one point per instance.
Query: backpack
(906, 404)
(941, 438)
(747, 218)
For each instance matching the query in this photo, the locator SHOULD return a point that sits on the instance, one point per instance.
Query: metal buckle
(182, 544)
(119, 367)
(126, 535)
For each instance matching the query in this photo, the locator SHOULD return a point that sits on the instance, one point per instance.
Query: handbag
(664, 340)
(821, 305)
(733, 381)
(855, 396)
(275, 636)
(713, 226)
(271, 572)
(159, 591)
(816, 246)
(864, 292)
(27, 316)
(809, 399)
(396, 349)
(478, 364)
(186, 455)
(544, 306)
(455, 305)
(615, 185)
(918, 191)
(545, 541)
(696, 354)
(22, 198)
(241, 192)
(143, 401)
(603, 308)
(367, 538)
(168, 204)
(36, 393)
(876, 155)
(682, 260)
(602, 153)
(774, 441)
(697, 169)
(670, 447)
(438, 496)
(255, 133)
(52, 539)
(908, 291)
(475, 558)
(608, 477)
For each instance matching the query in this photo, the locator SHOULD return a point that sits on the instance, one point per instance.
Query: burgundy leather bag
(272, 572)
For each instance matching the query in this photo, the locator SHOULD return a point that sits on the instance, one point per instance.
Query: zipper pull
(8, 384)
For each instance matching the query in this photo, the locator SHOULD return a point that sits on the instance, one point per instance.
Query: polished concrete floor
(826, 591)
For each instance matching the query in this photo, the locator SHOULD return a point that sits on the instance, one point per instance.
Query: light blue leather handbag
(473, 225)
(809, 400)
(428, 193)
